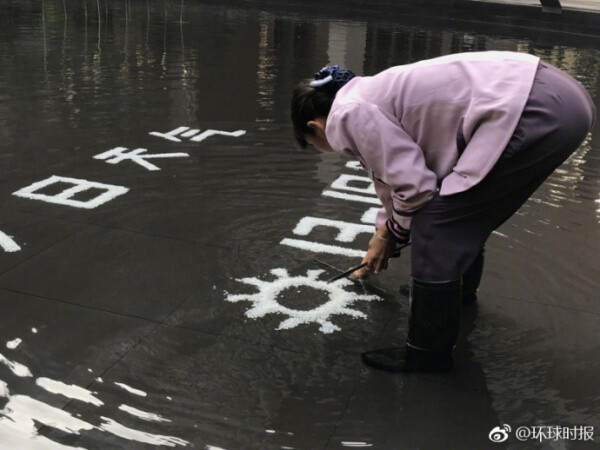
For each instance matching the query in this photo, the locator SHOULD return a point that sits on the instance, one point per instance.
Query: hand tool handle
(347, 272)
(397, 251)
(354, 269)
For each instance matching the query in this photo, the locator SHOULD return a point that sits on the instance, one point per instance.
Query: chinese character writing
(186, 132)
(138, 156)
(74, 186)
(8, 244)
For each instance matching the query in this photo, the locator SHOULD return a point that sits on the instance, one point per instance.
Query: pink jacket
(402, 125)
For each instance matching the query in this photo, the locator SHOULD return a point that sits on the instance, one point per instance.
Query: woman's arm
(380, 249)
(399, 168)
(394, 157)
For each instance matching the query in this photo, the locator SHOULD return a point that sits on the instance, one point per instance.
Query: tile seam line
(566, 308)
(195, 330)
(149, 320)
(164, 324)
(108, 227)
(387, 324)
(103, 373)
(415, 375)
(143, 338)
(187, 298)
(424, 377)
(299, 352)
(235, 338)
(146, 319)
(67, 302)
(69, 235)
(342, 413)
(108, 311)
(158, 323)
(162, 321)
(133, 347)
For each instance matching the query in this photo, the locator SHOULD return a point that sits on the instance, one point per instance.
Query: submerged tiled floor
(147, 312)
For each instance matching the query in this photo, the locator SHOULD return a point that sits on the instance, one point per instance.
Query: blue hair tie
(332, 74)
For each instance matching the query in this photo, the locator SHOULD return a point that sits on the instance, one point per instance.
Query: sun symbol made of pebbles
(265, 300)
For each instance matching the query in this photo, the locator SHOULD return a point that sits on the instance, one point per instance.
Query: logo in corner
(500, 434)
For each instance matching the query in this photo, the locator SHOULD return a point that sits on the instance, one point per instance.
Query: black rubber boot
(471, 279)
(432, 331)
(470, 283)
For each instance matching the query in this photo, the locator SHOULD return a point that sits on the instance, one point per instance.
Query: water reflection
(206, 56)
(196, 63)
(130, 63)
(267, 69)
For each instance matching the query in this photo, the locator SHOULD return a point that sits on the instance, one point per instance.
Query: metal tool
(360, 266)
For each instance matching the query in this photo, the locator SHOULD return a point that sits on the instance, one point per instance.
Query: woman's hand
(380, 250)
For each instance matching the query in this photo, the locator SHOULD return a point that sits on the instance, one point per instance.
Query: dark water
(74, 87)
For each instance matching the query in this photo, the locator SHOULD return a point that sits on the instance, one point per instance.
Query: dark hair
(313, 98)
(308, 103)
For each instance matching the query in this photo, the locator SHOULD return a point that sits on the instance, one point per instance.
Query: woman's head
(312, 100)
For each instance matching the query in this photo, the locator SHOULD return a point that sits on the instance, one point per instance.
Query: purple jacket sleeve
(394, 157)
(383, 192)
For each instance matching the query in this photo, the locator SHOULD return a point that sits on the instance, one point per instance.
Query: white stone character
(193, 134)
(8, 243)
(348, 231)
(138, 156)
(265, 301)
(354, 165)
(344, 180)
(317, 247)
(351, 197)
(370, 216)
(209, 133)
(76, 186)
(171, 134)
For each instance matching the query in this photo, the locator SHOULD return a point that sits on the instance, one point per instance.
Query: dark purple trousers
(449, 232)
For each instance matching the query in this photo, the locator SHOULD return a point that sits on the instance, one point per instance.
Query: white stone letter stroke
(65, 197)
(348, 231)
